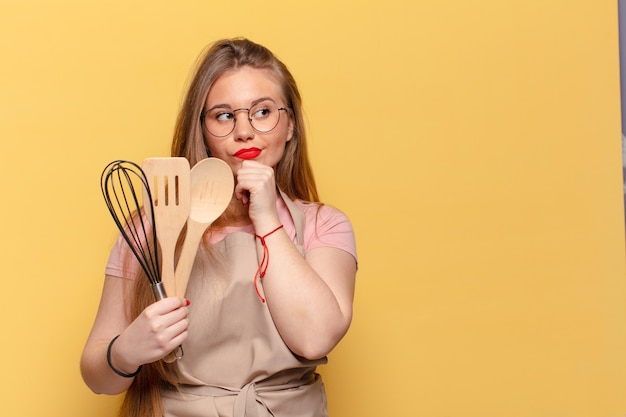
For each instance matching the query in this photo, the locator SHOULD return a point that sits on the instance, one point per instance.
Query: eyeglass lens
(263, 117)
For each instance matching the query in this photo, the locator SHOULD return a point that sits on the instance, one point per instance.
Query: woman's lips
(248, 153)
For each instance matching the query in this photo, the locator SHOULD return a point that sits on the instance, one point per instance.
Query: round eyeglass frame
(203, 115)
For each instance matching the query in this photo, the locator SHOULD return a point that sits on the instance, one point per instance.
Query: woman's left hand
(256, 187)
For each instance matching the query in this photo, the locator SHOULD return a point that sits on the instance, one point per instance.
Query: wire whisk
(122, 182)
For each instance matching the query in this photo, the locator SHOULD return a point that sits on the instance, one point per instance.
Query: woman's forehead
(244, 85)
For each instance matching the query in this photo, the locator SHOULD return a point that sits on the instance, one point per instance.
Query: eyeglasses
(263, 117)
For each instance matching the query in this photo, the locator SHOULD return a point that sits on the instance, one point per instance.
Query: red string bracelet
(265, 261)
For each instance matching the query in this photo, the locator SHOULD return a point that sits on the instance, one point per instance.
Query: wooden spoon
(212, 186)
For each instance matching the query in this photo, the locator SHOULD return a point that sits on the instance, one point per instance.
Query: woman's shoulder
(319, 209)
(323, 221)
(327, 226)
(319, 212)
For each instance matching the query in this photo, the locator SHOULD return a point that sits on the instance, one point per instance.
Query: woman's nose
(243, 128)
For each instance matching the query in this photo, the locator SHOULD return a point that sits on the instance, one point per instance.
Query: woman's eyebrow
(262, 99)
(219, 106)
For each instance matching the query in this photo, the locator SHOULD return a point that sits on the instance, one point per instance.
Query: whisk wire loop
(118, 183)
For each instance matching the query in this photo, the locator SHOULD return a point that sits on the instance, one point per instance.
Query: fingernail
(187, 302)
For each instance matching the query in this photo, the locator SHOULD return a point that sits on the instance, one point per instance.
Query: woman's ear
(290, 129)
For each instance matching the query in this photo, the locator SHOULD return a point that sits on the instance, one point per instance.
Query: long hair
(143, 397)
(293, 173)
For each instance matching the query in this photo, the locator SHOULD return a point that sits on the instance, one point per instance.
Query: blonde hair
(293, 173)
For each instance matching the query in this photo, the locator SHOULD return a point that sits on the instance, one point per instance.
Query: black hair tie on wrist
(120, 373)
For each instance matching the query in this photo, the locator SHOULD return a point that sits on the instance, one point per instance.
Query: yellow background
(474, 144)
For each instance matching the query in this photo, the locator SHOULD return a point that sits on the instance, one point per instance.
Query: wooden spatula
(212, 186)
(169, 182)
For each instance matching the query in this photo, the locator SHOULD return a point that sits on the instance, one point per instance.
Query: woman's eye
(261, 113)
(224, 116)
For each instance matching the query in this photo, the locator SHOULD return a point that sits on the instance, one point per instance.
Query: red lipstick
(248, 153)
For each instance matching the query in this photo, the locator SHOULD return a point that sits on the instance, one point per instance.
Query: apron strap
(246, 403)
(297, 216)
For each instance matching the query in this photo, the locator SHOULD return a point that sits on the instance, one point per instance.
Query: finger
(172, 334)
(176, 329)
(242, 194)
(166, 305)
(249, 163)
(176, 316)
(175, 342)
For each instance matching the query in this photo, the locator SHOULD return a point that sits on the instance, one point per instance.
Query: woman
(251, 345)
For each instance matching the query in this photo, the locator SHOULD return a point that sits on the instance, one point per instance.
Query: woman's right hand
(154, 334)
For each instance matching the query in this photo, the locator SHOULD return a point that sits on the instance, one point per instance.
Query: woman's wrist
(113, 368)
(265, 226)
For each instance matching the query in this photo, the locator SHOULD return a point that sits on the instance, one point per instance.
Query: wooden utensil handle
(167, 267)
(188, 255)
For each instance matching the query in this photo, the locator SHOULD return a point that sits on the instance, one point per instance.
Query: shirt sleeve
(328, 227)
(122, 262)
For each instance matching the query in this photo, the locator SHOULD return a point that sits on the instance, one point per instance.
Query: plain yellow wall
(474, 144)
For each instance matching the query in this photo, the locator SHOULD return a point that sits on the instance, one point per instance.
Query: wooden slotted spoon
(212, 186)
(169, 181)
